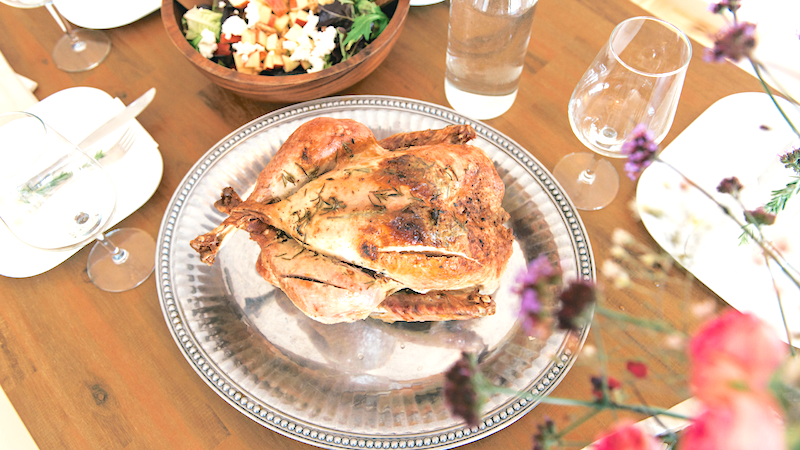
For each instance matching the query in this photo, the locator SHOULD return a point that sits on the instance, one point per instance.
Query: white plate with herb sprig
(741, 135)
(76, 112)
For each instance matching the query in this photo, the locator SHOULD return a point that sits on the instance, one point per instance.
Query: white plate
(105, 14)
(75, 113)
(740, 135)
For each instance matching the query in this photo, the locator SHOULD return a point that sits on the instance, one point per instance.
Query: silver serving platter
(366, 384)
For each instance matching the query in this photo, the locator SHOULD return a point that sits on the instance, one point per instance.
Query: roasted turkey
(410, 228)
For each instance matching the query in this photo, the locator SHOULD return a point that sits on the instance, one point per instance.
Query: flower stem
(644, 323)
(602, 358)
(576, 423)
(771, 95)
(648, 410)
(780, 305)
(728, 213)
(768, 253)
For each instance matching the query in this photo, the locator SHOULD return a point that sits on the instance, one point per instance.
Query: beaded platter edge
(308, 433)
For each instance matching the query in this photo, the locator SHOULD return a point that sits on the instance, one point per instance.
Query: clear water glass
(486, 47)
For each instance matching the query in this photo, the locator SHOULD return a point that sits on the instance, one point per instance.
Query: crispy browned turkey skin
(407, 229)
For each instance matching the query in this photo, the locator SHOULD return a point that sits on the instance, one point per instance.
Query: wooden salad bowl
(288, 88)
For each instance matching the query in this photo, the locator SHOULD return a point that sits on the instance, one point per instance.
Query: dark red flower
(546, 436)
(597, 386)
(638, 369)
(730, 185)
(460, 392)
(759, 216)
(574, 300)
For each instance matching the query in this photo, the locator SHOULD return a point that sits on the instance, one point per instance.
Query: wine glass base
(112, 276)
(81, 50)
(587, 193)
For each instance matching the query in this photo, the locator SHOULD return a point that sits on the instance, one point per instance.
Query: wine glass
(636, 77)
(53, 196)
(79, 49)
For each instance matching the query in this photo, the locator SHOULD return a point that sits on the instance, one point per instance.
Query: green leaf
(196, 20)
(367, 7)
(367, 27)
(342, 48)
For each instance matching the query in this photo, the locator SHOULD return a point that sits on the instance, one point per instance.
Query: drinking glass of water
(487, 42)
(637, 77)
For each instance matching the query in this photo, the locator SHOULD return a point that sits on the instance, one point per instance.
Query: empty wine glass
(53, 196)
(636, 77)
(79, 49)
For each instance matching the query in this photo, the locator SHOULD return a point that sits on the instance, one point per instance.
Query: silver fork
(119, 149)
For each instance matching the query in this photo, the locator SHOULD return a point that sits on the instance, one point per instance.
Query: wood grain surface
(86, 369)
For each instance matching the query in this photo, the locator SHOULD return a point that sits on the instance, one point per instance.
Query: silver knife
(122, 118)
(125, 116)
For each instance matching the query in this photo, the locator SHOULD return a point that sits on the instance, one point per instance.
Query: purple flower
(533, 284)
(641, 150)
(759, 216)
(460, 392)
(574, 300)
(791, 159)
(730, 5)
(730, 185)
(734, 43)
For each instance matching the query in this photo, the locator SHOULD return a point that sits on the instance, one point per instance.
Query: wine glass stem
(588, 176)
(77, 44)
(118, 255)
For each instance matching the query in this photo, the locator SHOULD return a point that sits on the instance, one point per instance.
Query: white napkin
(16, 91)
(13, 433)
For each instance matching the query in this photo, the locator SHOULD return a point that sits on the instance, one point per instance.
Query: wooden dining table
(88, 369)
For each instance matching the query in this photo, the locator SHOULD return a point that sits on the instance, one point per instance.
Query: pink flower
(733, 353)
(626, 436)
(743, 422)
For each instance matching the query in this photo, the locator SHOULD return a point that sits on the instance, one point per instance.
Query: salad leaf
(368, 27)
(337, 14)
(368, 23)
(367, 7)
(196, 20)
